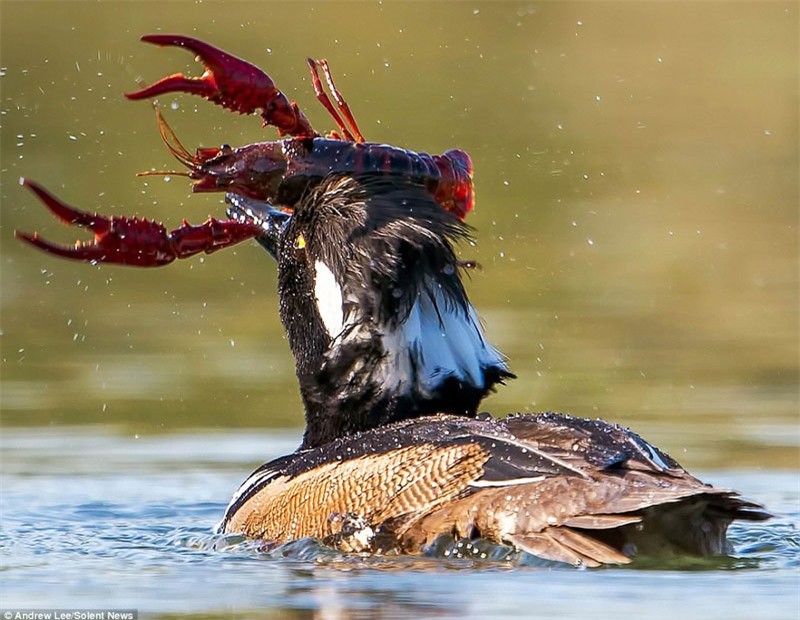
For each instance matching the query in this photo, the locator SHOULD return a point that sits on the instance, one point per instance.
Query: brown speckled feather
(378, 487)
(566, 489)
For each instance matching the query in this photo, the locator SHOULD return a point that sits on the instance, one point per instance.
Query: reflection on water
(92, 517)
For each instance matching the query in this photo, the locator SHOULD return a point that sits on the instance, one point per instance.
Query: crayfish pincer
(278, 172)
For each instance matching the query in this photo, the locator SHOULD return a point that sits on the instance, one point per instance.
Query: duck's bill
(272, 221)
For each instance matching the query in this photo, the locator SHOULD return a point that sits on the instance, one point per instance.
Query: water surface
(92, 517)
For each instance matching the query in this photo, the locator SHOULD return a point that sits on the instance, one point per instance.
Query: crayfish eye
(225, 149)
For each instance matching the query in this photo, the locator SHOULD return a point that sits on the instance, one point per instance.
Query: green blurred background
(637, 182)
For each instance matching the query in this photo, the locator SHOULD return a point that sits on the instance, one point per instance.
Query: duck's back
(562, 488)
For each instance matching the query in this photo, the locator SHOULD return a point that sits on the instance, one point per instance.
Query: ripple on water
(103, 521)
(757, 546)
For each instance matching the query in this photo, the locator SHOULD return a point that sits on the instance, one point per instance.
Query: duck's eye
(300, 247)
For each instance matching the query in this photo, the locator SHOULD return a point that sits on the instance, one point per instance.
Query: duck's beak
(271, 220)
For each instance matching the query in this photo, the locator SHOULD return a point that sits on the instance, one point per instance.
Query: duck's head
(374, 306)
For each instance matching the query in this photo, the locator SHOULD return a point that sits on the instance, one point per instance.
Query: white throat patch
(439, 340)
(328, 294)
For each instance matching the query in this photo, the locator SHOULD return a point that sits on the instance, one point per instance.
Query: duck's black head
(373, 305)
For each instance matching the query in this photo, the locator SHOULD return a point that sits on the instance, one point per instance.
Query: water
(637, 190)
(638, 251)
(96, 518)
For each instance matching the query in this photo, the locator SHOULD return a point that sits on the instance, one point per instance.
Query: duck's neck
(358, 372)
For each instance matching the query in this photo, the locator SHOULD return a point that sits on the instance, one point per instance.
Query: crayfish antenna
(164, 173)
(179, 152)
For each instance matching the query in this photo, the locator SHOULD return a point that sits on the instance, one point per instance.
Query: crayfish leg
(351, 133)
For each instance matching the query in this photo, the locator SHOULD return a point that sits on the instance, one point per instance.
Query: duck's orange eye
(299, 249)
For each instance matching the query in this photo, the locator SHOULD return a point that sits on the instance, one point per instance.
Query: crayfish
(277, 172)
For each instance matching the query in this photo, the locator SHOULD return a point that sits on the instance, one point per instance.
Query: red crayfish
(276, 172)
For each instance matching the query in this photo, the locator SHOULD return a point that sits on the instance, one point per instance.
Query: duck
(393, 362)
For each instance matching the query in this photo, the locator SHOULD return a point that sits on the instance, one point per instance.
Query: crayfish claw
(98, 224)
(120, 240)
(203, 86)
(230, 82)
(134, 241)
(177, 83)
(78, 252)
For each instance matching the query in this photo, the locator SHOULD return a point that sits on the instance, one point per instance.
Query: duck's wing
(615, 495)
(558, 487)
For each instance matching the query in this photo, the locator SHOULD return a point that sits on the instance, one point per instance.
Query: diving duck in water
(393, 363)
